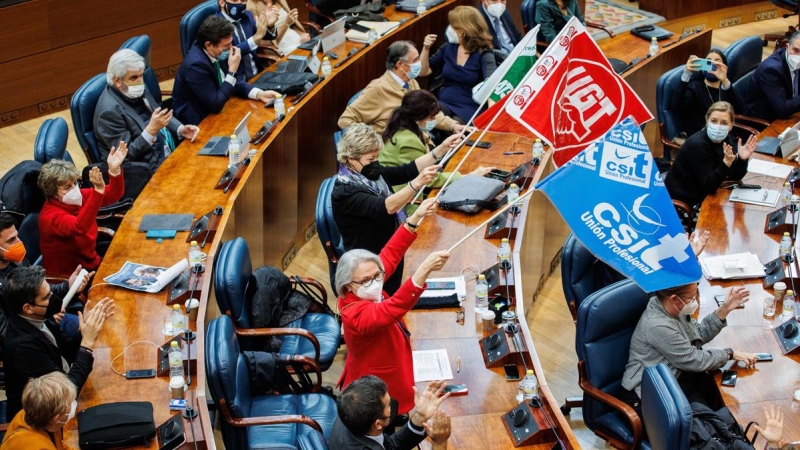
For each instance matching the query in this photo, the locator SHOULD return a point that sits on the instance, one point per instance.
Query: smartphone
(167, 103)
(729, 378)
(704, 65)
(441, 285)
(480, 144)
(143, 373)
(720, 299)
(456, 389)
(763, 357)
(161, 234)
(512, 372)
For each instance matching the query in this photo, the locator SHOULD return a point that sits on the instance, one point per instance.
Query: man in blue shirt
(505, 34)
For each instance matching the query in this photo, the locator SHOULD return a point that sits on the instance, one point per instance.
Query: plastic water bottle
(280, 107)
(538, 150)
(786, 195)
(175, 360)
(233, 151)
(788, 305)
(513, 193)
(504, 254)
(177, 318)
(421, 8)
(653, 47)
(326, 66)
(372, 36)
(195, 255)
(786, 246)
(481, 294)
(529, 386)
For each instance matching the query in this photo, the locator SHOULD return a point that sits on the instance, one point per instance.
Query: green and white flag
(509, 74)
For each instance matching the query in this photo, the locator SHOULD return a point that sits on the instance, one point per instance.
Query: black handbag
(471, 193)
(287, 83)
(371, 12)
(118, 424)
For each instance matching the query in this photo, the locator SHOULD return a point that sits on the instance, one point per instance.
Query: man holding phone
(127, 112)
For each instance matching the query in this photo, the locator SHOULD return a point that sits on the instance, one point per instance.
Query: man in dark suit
(34, 344)
(365, 412)
(127, 112)
(210, 74)
(248, 30)
(505, 34)
(774, 85)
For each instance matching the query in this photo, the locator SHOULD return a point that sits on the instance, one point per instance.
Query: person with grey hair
(127, 112)
(378, 341)
(774, 87)
(366, 211)
(383, 95)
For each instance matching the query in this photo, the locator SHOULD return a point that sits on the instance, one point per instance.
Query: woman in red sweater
(67, 222)
(378, 341)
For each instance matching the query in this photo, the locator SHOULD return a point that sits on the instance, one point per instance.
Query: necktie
(795, 81)
(405, 86)
(502, 36)
(247, 58)
(219, 72)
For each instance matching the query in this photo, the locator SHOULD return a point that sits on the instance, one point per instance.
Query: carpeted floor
(617, 17)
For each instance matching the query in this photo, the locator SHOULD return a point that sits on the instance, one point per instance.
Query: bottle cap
(790, 292)
(176, 382)
(193, 243)
(173, 344)
(779, 286)
(481, 277)
(325, 58)
(504, 240)
(786, 234)
(277, 96)
(176, 307)
(529, 372)
(513, 186)
(538, 140)
(233, 137)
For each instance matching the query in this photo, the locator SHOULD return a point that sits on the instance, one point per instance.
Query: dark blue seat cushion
(319, 407)
(324, 327)
(615, 424)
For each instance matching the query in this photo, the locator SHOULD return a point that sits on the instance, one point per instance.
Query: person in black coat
(708, 158)
(505, 35)
(699, 90)
(366, 211)
(34, 344)
(773, 92)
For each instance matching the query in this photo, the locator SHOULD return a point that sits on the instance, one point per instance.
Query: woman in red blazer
(68, 220)
(378, 341)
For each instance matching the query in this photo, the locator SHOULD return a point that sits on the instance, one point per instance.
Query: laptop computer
(218, 145)
(298, 64)
(333, 35)
(787, 142)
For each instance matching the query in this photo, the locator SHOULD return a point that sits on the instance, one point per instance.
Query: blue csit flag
(614, 199)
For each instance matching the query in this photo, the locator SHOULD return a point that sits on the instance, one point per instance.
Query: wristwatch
(729, 351)
(233, 74)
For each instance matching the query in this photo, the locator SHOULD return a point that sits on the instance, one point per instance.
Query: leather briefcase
(471, 193)
(118, 424)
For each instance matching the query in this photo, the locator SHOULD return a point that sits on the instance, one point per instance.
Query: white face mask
(429, 125)
(451, 35)
(717, 132)
(794, 61)
(372, 292)
(689, 308)
(496, 9)
(73, 197)
(135, 90)
(71, 413)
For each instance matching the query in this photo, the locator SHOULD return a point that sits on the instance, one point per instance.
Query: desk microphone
(214, 215)
(245, 163)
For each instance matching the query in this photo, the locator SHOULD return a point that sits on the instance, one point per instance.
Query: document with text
(431, 365)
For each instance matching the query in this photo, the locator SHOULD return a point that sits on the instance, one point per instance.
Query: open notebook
(143, 278)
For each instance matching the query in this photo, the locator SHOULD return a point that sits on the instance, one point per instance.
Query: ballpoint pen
(513, 153)
(458, 365)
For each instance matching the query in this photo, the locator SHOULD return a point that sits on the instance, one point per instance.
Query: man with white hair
(127, 112)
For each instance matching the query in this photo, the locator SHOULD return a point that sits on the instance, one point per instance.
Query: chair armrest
(260, 332)
(166, 94)
(331, 254)
(752, 120)
(316, 284)
(307, 363)
(746, 128)
(313, 25)
(268, 420)
(311, 8)
(107, 231)
(601, 27)
(613, 402)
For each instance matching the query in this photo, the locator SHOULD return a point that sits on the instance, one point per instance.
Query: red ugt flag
(572, 96)
(503, 123)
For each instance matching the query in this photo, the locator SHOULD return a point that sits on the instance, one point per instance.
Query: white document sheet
(431, 365)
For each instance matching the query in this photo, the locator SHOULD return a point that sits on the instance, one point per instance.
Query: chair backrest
(51, 141)
(191, 22)
(232, 271)
(582, 273)
(313, 440)
(606, 321)
(81, 108)
(674, 121)
(327, 230)
(742, 86)
(743, 56)
(666, 412)
(141, 45)
(354, 97)
(528, 10)
(29, 235)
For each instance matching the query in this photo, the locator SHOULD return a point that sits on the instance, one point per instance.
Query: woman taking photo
(708, 158)
(553, 15)
(464, 61)
(366, 212)
(378, 341)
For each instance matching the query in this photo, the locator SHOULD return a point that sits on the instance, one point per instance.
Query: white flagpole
(502, 210)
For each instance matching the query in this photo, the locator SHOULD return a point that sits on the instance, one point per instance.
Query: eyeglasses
(694, 298)
(368, 283)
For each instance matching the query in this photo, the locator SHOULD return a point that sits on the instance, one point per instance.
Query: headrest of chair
(665, 409)
(141, 45)
(611, 310)
(665, 88)
(51, 140)
(191, 22)
(528, 10)
(743, 56)
(231, 275)
(82, 107)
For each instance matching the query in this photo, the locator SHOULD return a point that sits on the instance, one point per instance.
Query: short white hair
(347, 265)
(121, 62)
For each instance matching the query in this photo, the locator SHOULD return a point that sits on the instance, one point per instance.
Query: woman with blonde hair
(464, 61)
(288, 38)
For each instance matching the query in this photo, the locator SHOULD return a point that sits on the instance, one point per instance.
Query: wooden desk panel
(675, 9)
(27, 40)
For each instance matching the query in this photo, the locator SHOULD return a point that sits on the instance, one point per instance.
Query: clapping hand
(736, 297)
(439, 430)
(746, 150)
(428, 401)
(96, 178)
(92, 322)
(729, 157)
(774, 429)
(699, 242)
(116, 156)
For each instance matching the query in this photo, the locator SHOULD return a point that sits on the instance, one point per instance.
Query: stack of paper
(763, 197)
(732, 267)
(768, 168)
(431, 365)
(380, 28)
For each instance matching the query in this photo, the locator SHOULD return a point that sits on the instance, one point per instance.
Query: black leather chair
(606, 321)
(666, 412)
(327, 231)
(258, 421)
(51, 141)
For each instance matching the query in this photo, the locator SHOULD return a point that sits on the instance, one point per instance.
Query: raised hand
(774, 429)
(158, 120)
(96, 178)
(699, 242)
(116, 156)
(429, 41)
(746, 150)
(729, 157)
(234, 59)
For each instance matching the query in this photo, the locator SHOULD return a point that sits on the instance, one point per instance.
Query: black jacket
(694, 97)
(508, 23)
(343, 439)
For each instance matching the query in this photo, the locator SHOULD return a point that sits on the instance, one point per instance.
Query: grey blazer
(115, 120)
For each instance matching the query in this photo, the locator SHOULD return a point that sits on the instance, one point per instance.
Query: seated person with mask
(210, 74)
(127, 112)
(383, 95)
(249, 29)
(774, 92)
(505, 35)
(34, 344)
(365, 412)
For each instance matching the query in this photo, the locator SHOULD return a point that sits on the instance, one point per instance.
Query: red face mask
(15, 253)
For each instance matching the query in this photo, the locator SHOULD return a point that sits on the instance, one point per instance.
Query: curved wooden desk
(736, 228)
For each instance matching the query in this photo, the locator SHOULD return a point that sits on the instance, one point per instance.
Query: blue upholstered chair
(582, 274)
(81, 108)
(666, 412)
(141, 45)
(528, 12)
(51, 141)
(257, 421)
(606, 321)
(191, 22)
(743, 56)
(327, 230)
(313, 440)
(315, 335)
(29, 235)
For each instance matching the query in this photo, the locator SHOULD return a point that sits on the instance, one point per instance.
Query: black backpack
(270, 374)
(18, 189)
(717, 430)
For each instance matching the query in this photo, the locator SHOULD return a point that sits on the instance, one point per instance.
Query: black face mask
(235, 10)
(53, 308)
(372, 171)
